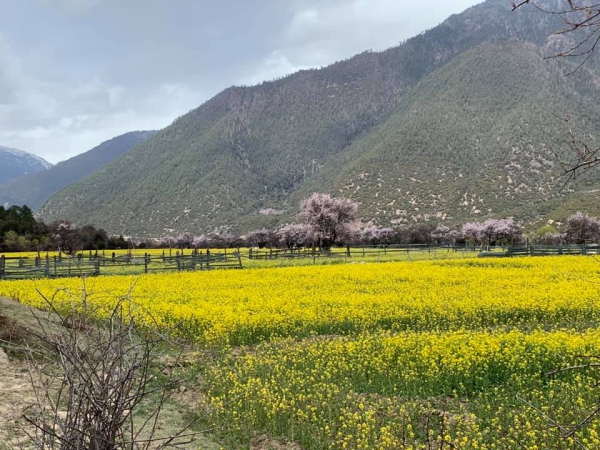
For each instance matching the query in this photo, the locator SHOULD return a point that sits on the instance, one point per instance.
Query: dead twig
(96, 375)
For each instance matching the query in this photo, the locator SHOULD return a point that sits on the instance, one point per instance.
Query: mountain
(35, 188)
(454, 124)
(470, 142)
(14, 163)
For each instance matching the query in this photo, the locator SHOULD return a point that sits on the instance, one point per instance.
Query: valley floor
(465, 354)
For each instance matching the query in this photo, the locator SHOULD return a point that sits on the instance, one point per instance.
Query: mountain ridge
(14, 163)
(34, 189)
(261, 148)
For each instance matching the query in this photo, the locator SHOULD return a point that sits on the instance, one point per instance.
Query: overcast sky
(74, 73)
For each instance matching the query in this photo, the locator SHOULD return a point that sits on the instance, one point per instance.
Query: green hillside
(477, 138)
(453, 124)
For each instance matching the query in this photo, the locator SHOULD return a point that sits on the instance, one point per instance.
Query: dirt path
(15, 396)
(16, 393)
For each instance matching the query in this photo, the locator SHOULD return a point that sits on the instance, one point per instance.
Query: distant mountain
(34, 189)
(454, 124)
(14, 163)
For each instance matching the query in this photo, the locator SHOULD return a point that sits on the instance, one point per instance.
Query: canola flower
(245, 307)
(466, 389)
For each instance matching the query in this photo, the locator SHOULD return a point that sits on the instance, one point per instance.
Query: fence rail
(349, 252)
(544, 250)
(94, 265)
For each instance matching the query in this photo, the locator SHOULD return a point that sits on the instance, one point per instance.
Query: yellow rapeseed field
(250, 306)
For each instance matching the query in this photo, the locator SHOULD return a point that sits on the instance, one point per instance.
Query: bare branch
(98, 377)
(580, 18)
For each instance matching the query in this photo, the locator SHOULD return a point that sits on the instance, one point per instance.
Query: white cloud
(69, 135)
(57, 120)
(10, 71)
(274, 66)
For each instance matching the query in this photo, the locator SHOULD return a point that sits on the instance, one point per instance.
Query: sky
(75, 73)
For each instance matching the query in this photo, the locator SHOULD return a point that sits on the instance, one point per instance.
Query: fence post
(145, 262)
(2, 266)
(47, 265)
(55, 272)
(348, 250)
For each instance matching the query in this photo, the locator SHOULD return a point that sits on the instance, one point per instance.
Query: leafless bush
(92, 380)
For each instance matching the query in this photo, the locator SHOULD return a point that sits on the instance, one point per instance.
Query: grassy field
(455, 354)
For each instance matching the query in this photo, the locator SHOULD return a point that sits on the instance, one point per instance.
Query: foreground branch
(97, 377)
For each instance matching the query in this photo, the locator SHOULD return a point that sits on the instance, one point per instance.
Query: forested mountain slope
(35, 188)
(477, 138)
(452, 124)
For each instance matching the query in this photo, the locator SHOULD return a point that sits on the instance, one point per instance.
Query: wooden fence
(371, 252)
(60, 267)
(19, 268)
(95, 263)
(544, 250)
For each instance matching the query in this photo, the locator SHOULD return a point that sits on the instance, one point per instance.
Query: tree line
(21, 231)
(327, 221)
